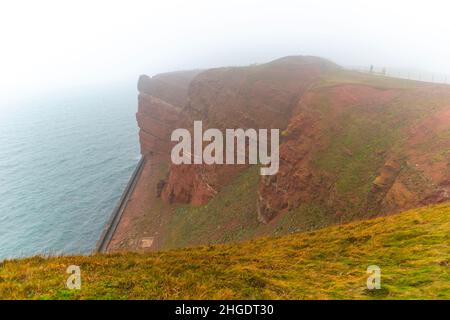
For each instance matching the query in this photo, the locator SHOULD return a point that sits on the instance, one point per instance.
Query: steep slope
(260, 96)
(358, 150)
(353, 146)
(411, 248)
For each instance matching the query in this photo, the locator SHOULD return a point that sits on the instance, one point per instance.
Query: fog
(48, 46)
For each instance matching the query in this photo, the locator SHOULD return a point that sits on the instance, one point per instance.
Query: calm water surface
(64, 162)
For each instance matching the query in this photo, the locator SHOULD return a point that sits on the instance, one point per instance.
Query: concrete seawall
(113, 222)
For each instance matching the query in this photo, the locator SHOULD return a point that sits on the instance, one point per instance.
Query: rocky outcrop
(160, 102)
(156, 119)
(185, 184)
(261, 96)
(352, 149)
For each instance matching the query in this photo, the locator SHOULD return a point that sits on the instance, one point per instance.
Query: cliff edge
(353, 146)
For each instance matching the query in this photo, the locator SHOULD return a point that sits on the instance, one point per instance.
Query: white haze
(47, 46)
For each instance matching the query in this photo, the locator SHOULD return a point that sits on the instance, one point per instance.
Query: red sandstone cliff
(256, 97)
(286, 94)
(352, 145)
(367, 151)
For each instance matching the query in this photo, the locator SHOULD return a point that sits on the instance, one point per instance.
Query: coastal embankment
(113, 222)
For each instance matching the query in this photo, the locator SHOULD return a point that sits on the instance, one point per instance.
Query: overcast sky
(48, 45)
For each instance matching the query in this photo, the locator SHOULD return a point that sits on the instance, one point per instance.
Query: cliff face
(261, 96)
(361, 150)
(160, 102)
(352, 145)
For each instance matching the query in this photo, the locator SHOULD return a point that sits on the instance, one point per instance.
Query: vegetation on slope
(371, 133)
(355, 146)
(231, 216)
(411, 248)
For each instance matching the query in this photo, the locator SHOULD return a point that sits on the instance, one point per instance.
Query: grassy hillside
(353, 146)
(231, 216)
(412, 249)
(343, 172)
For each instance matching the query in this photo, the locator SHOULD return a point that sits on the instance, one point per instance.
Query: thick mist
(52, 45)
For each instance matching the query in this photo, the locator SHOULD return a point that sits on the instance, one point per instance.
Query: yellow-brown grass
(411, 248)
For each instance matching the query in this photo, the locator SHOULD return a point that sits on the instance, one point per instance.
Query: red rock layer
(288, 94)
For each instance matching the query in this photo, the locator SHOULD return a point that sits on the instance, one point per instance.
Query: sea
(65, 159)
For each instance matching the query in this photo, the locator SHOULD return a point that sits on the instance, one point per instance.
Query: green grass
(230, 215)
(411, 248)
(366, 139)
(344, 76)
(359, 140)
(306, 217)
(352, 148)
